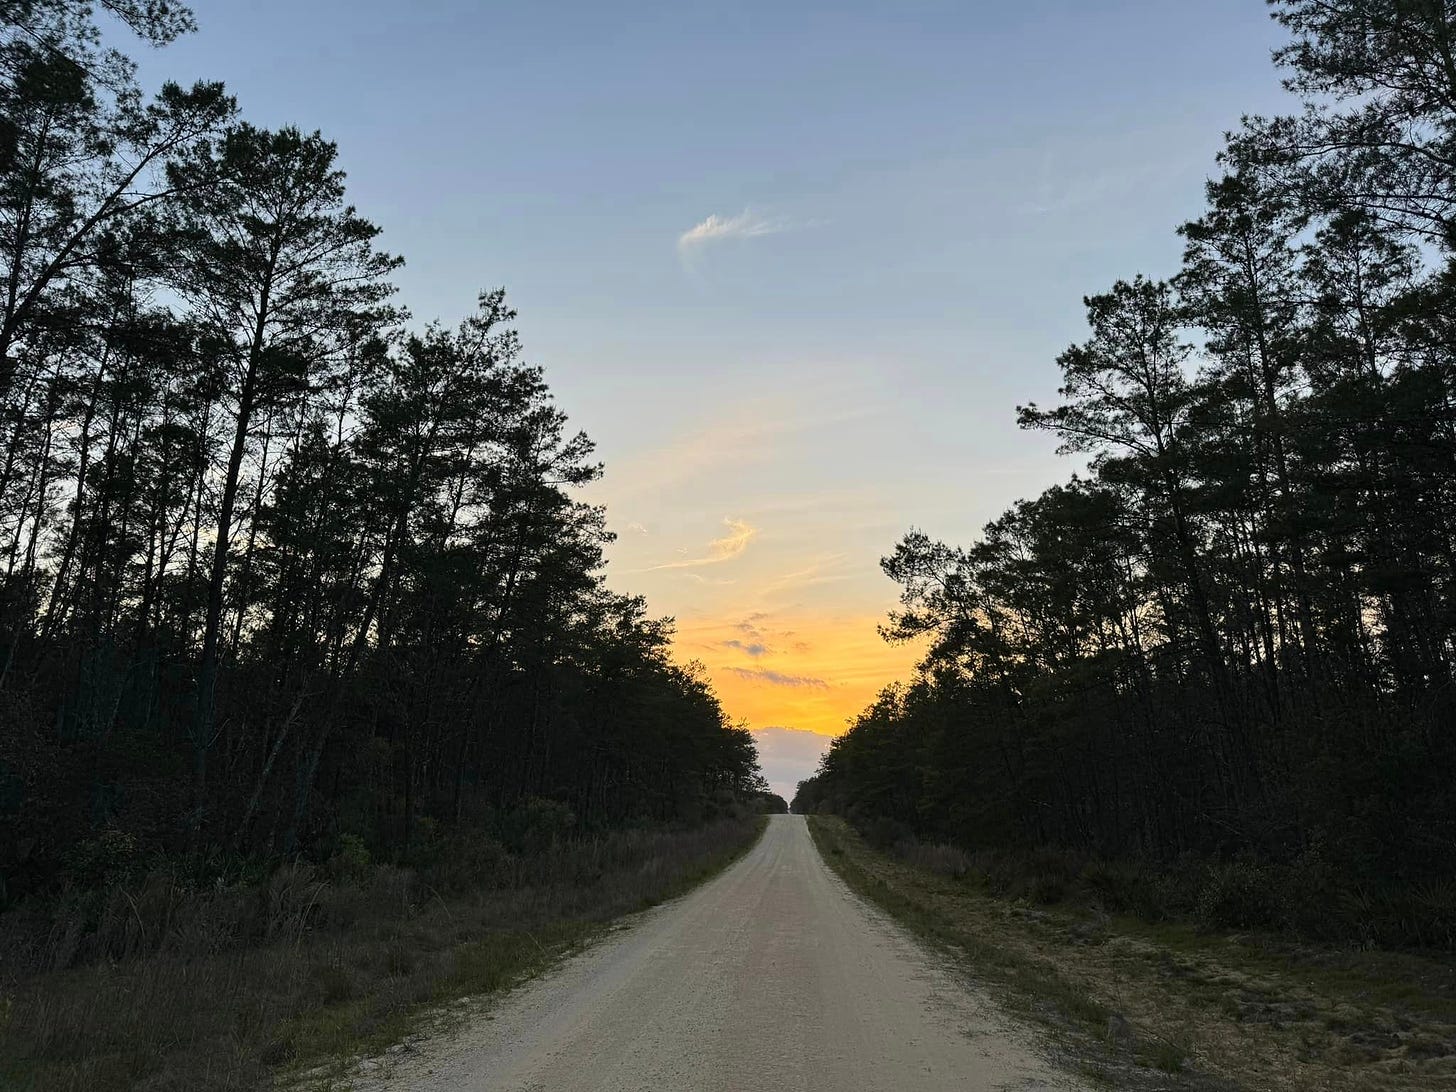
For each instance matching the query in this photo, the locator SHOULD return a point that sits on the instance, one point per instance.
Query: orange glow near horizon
(813, 674)
(767, 559)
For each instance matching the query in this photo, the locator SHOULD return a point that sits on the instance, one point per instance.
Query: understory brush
(1306, 898)
(157, 985)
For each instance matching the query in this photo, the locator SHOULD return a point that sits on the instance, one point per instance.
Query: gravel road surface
(772, 976)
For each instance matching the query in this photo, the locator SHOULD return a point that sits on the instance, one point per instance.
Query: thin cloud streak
(731, 545)
(778, 678)
(746, 225)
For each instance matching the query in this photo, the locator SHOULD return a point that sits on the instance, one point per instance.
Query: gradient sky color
(791, 264)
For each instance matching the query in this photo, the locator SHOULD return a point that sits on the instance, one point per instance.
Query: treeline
(275, 567)
(1233, 638)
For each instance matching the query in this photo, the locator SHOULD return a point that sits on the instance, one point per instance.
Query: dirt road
(771, 976)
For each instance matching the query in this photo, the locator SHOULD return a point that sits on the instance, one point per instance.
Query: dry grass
(1175, 1006)
(244, 984)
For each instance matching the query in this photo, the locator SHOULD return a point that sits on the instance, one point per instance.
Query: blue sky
(910, 200)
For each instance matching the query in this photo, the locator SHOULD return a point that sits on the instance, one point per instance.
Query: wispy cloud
(731, 545)
(749, 626)
(739, 438)
(777, 678)
(825, 569)
(746, 225)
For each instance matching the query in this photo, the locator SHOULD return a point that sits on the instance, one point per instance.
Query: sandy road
(771, 976)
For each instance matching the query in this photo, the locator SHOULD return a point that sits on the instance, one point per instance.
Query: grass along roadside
(388, 960)
(1150, 1006)
(1090, 1038)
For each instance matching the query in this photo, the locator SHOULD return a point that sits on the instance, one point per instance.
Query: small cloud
(749, 626)
(731, 545)
(637, 529)
(746, 225)
(778, 678)
(752, 648)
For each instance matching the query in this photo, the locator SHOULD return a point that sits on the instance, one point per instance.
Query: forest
(1213, 672)
(282, 571)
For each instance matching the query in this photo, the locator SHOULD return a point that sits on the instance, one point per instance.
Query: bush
(351, 859)
(1044, 875)
(536, 824)
(1144, 891)
(1423, 916)
(469, 860)
(1240, 895)
(289, 900)
(1114, 884)
(105, 859)
(944, 860)
(885, 833)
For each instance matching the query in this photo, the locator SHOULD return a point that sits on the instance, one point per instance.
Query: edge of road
(1086, 1037)
(333, 1069)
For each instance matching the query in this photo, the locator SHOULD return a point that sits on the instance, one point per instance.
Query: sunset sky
(791, 264)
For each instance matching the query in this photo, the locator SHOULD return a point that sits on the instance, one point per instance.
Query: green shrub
(1240, 895)
(1114, 884)
(469, 860)
(1045, 875)
(883, 833)
(536, 824)
(351, 859)
(103, 860)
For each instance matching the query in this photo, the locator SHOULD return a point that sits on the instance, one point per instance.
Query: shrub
(883, 833)
(1144, 891)
(1434, 914)
(944, 860)
(536, 824)
(1114, 884)
(289, 900)
(106, 859)
(350, 861)
(1044, 875)
(469, 860)
(1239, 895)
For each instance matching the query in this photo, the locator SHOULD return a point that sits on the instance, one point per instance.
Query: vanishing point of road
(772, 976)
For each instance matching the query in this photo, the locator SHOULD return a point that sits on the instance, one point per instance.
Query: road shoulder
(489, 968)
(1139, 1006)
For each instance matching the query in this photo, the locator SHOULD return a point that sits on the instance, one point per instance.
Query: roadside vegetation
(313, 966)
(1168, 1005)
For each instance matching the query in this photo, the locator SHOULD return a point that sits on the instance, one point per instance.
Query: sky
(791, 264)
